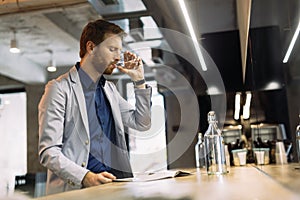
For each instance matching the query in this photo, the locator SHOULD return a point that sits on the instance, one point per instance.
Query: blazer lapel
(122, 158)
(77, 88)
(114, 108)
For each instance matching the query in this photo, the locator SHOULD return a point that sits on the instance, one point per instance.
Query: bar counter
(246, 182)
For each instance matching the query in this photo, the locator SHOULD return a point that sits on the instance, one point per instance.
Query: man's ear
(90, 46)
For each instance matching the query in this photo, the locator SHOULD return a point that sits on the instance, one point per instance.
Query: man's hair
(96, 31)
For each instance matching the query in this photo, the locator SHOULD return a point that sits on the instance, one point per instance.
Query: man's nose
(117, 56)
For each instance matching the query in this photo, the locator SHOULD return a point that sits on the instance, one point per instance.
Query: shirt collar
(85, 79)
(87, 82)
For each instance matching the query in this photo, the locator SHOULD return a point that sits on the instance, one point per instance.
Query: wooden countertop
(286, 175)
(247, 182)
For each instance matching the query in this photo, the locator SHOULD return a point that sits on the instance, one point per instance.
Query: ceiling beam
(20, 68)
(64, 23)
(117, 11)
(127, 15)
(243, 16)
(12, 7)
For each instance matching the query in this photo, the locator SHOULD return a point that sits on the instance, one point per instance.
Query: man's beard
(109, 70)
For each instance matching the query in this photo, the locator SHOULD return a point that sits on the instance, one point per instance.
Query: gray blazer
(64, 141)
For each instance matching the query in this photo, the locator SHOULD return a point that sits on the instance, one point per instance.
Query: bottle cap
(199, 135)
(211, 116)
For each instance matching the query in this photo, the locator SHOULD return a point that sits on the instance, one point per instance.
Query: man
(82, 116)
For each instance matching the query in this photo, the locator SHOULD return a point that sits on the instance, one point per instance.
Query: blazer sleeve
(139, 116)
(52, 109)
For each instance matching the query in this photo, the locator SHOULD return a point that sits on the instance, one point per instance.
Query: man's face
(107, 54)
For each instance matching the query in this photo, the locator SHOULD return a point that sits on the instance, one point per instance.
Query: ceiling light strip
(192, 33)
(291, 46)
(237, 106)
(246, 108)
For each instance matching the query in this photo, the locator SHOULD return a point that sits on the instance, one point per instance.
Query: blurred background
(39, 40)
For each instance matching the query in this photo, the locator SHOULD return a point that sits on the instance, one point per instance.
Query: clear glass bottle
(200, 152)
(298, 140)
(214, 147)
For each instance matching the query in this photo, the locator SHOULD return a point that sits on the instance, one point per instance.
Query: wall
(34, 93)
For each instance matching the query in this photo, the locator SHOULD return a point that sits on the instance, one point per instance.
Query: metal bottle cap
(211, 116)
(199, 135)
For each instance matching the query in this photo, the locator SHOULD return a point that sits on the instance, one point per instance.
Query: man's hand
(92, 179)
(133, 66)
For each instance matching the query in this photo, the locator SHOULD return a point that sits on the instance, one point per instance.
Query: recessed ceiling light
(51, 69)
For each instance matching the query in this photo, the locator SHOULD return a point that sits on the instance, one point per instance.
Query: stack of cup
(261, 156)
(280, 153)
(239, 157)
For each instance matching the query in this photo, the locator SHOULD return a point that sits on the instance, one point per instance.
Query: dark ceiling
(272, 25)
